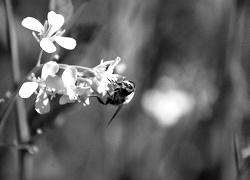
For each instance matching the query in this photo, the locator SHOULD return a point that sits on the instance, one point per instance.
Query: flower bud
(69, 76)
(50, 68)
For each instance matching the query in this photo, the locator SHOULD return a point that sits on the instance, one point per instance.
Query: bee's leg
(109, 99)
(108, 93)
(118, 109)
(101, 101)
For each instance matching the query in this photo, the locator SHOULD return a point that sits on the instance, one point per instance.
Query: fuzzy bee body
(122, 94)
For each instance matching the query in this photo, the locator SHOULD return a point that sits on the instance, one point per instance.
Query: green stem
(21, 123)
(39, 58)
(28, 147)
(76, 16)
(23, 134)
(64, 66)
(13, 42)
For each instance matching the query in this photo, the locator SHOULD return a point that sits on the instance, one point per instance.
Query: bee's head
(127, 90)
(127, 87)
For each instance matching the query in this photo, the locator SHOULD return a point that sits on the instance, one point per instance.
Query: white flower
(49, 70)
(103, 75)
(50, 32)
(48, 81)
(73, 90)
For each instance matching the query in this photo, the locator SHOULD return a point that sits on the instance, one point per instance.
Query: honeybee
(122, 94)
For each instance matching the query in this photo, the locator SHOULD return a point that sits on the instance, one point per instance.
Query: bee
(123, 93)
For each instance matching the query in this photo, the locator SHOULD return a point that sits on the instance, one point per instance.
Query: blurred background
(189, 117)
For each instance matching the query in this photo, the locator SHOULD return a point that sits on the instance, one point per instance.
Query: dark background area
(190, 63)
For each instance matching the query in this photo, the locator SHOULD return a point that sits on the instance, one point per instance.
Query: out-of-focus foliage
(190, 63)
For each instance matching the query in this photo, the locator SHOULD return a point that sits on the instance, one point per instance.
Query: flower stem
(64, 66)
(39, 58)
(76, 15)
(21, 123)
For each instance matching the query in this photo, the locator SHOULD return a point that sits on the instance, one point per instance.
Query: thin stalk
(64, 66)
(39, 58)
(237, 77)
(23, 134)
(237, 156)
(28, 147)
(76, 16)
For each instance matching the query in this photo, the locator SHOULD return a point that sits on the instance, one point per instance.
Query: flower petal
(32, 24)
(83, 91)
(84, 94)
(89, 73)
(111, 68)
(49, 68)
(56, 21)
(69, 76)
(86, 102)
(65, 99)
(66, 42)
(55, 82)
(47, 45)
(27, 89)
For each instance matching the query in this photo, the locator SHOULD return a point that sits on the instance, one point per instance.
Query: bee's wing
(118, 109)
